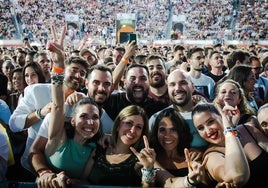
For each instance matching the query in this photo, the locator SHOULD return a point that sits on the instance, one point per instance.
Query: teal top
(71, 158)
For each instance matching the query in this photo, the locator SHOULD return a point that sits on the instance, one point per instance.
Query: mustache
(156, 73)
(102, 92)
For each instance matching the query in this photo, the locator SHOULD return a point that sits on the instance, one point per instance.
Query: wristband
(44, 172)
(57, 70)
(57, 78)
(126, 61)
(38, 114)
(231, 131)
(148, 175)
(188, 181)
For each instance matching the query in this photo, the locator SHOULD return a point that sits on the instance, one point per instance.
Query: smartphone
(132, 37)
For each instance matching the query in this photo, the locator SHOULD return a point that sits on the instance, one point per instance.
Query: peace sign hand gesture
(196, 171)
(56, 47)
(146, 156)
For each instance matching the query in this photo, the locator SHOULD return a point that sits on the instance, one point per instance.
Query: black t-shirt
(216, 78)
(3, 84)
(118, 101)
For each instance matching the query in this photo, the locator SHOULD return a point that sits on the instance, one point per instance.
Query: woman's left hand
(61, 180)
(196, 170)
(146, 156)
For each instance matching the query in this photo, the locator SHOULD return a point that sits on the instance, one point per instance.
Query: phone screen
(132, 37)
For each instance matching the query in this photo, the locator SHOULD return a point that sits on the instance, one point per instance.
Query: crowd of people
(215, 19)
(133, 115)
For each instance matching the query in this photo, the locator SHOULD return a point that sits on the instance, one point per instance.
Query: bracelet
(41, 169)
(231, 131)
(57, 70)
(38, 114)
(44, 172)
(189, 183)
(126, 61)
(57, 79)
(148, 175)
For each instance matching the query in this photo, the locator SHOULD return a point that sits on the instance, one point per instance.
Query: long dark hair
(37, 69)
(70, 129)
(181, 127)
(131, 111)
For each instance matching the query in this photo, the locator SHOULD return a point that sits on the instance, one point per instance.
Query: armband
(38, 114)
(231, 131)
(44, 172)
(57, 70)
(148, 175)
(126, 61)
(57, 79)
(190, 183)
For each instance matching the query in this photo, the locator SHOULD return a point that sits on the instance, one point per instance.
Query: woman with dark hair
(71, 142)
(244, 75)
(171, 138)
(128, 160)
(226, 160)
(7, 67)
(170, 135)
(32, 74)
(237, 154)
(18, 88)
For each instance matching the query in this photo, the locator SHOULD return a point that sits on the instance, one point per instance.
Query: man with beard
(216, 63)
(261, 86)
(99, 86)
(157, 79)
(137, 89)
(136, 84)
(43, 60)
(36, 103)
(180, 91)
(20, 57)
(203, 83)
(178, 56)
(90, 55)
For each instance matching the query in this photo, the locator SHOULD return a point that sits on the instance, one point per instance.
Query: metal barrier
(13, 184)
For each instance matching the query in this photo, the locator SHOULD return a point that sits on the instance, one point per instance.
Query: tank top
(71, 158)
(121, 174)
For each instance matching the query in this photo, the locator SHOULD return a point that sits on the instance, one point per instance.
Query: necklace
(112, 152)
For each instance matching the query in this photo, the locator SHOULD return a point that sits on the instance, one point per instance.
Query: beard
(198, 69)
(132, 95)
(157, 84)
(100, 100)
(73, 83)
(182, 102)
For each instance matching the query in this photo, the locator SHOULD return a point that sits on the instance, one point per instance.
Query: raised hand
(130, 50)
(146, 156)
(56, 47)
(230, 115)
(196, 171)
